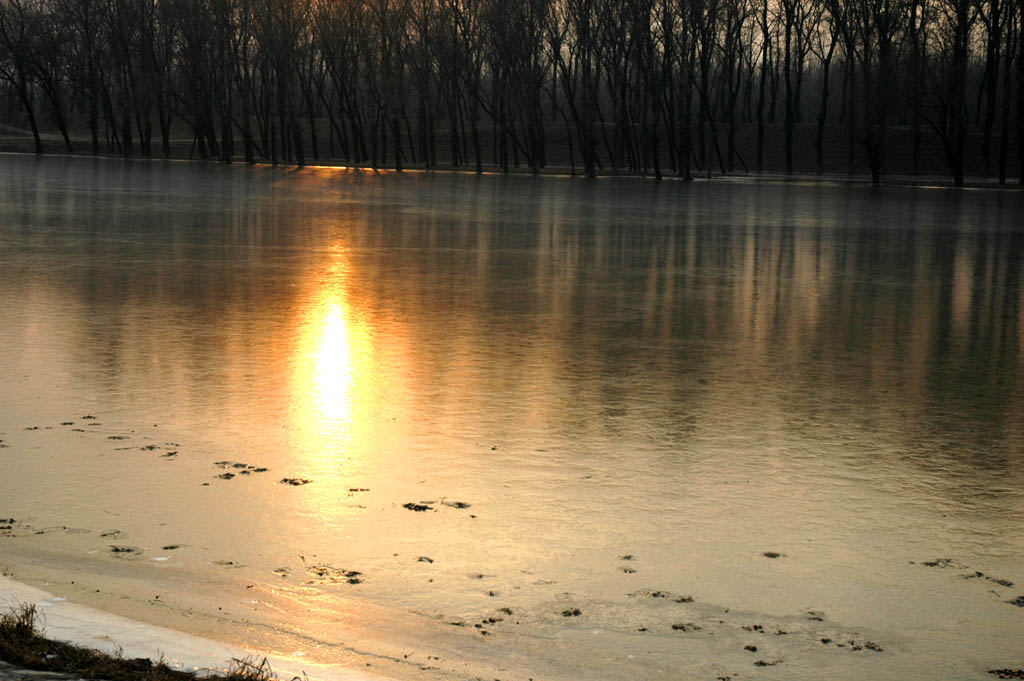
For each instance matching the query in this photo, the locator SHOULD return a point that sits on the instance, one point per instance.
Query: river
(445, 426)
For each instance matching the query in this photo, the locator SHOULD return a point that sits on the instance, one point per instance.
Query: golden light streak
(331, 381)
(333, 360)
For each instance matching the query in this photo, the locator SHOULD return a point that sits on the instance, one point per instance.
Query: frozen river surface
(448, 426)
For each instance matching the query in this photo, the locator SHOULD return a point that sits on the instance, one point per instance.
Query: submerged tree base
(562, 157)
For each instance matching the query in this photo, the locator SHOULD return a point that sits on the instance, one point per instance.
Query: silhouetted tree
(631, 82)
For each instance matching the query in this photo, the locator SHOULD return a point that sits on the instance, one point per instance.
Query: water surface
(566, 373)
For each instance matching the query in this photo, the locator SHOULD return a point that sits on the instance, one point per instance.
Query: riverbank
(31, 655)
(27, 655)
(772, 177)
(932, 173)
(9, 672)
(44, 637)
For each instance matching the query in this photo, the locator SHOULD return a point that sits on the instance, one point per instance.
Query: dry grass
(23, 644)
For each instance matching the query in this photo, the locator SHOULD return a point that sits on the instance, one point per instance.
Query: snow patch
(104, 631)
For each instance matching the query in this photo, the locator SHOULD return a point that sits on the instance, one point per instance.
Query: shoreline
(927, 181)
(61, 621)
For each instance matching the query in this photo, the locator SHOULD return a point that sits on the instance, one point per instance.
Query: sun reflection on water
(333, 375)
(332, 385)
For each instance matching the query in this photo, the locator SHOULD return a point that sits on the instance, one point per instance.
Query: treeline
(648, 86)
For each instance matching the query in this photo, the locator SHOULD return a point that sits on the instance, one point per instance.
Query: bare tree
(15, 58)
(823, 41)
(764, 21)
(947, 110)
(879, 23)
(394, 82)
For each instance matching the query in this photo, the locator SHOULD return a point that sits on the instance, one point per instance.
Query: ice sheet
(66, 621)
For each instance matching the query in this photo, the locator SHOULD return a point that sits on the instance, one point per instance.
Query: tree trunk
(126, 131)
(763, 81)
(26, 101)
(396, 135)
(247, 130)
(94, 127)
(1020, 92)
(819, 142)
(787, 68)
(851, 112)
(1004, 133)
(314, 147)
(991, 83)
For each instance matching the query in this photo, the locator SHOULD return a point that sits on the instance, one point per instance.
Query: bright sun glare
(333, 377)
(326, 361)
